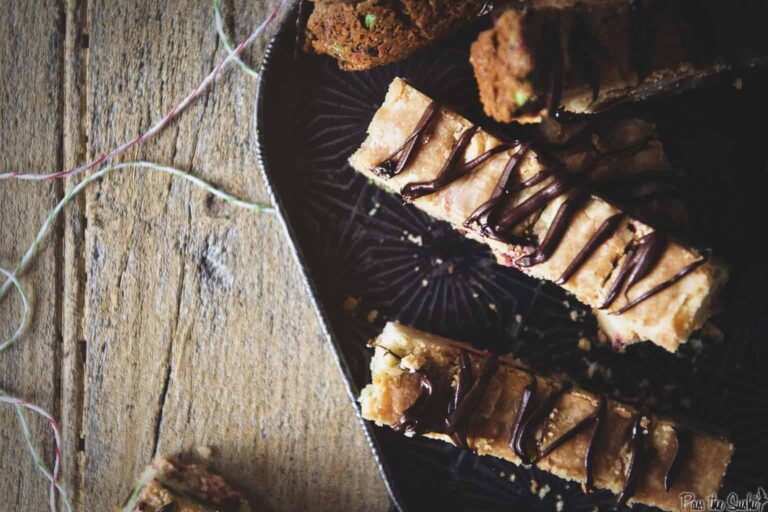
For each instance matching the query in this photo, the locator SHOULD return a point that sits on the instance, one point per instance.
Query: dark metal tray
(366, 258)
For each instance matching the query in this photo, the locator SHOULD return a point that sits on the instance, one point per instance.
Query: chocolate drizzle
(486, 214)
(640, 260)
(457, 422)
(453, 169)
(386, 350)
(516, 440)
(662, 286)
(599, 418)
(463, 385)
(495, 219)
(526, 421)
(514, 216)
(465, 380)
(682, 448)
(650, 249)
(593, 420)
(415, 418)
(603, 233)
(420, 418)
(637, 449)
(584, 48)
(696, 30)
(462, 403)
(395, 163)
(556, 231)
(535, 418)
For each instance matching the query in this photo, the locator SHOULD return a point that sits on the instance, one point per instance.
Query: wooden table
(163, 320)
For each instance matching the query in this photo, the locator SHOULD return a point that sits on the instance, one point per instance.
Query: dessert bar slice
(427, 385)
(541, 218)
(588, 55)
(369, 33)
(167, 485)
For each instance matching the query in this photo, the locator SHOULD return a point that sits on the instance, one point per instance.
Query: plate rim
(286, 25)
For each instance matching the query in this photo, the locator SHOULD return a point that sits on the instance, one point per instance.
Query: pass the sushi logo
(753, 502)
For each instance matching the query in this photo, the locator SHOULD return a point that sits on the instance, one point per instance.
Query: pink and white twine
(234, 56)
(12, 276)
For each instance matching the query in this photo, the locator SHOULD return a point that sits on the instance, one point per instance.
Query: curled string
(12, 280)
(52, 477)
(12, 276)
(219, 20)
(175, 111)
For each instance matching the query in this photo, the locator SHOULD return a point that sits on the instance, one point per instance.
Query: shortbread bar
(586, 56)
(423, 384)
(167, 485)
(538, 216)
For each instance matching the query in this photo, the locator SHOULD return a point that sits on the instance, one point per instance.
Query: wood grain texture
(164, 320)
(30, 123)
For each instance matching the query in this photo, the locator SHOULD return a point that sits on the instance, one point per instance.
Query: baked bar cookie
(622, 159)
(588, 55)
(427, 385)
(368, 33)
(167, 485)
(541, 219)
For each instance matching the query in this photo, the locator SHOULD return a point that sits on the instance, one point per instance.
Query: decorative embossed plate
(366, 258)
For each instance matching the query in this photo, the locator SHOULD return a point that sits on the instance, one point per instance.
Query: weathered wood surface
(163, 320)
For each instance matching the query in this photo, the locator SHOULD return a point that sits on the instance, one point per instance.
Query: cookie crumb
(585, 345)
(350, 303)
(373, 315)
(696, 345)
(712, 332)
(414, 239)
(424, 283)
(592, 368)
(738, 84)
(204, 451)
(544, 491)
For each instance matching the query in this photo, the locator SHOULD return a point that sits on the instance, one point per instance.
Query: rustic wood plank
(31, 46)
(197, 327)
(74, 138)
